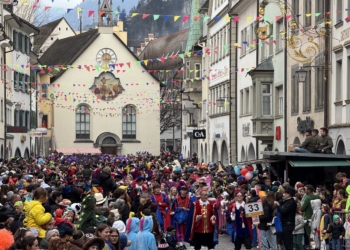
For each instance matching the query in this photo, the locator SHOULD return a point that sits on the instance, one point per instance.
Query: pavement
(224, 243)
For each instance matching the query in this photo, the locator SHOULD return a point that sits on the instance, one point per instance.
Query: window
(279, 36)
(319, 84)
(14, 39)
(307, 93)
(198, 70)
(187, 69)
(26, 82)
(82, 122)
(247, 106)
(266, 99)
(16, 118)
(295, 91)
(295, 7)
(243, 42)
(204, 110)
(129, 122)
(247, 34)
(20, 42)
(242, 103)
(307, 10)
(280, 100)
(33, 118)
(2, 110)
(20, 81)
(44, 121)
(339, 11)
(251, 36)
(44, 90)
(338, 83)
(16, 79)
(27, 123)
(319, 9)
(21, 116)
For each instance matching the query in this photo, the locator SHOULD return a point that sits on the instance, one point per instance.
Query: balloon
(240, 178)
(237, 171)
(248, 176)
(244, 171)
(236, 167)
(250, 168)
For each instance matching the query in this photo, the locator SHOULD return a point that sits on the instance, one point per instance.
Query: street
(224, 243)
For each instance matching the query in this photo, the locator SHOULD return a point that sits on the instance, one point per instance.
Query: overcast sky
(61, 3)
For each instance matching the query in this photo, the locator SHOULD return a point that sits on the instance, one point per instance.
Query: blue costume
(145, 238)
(132, 228)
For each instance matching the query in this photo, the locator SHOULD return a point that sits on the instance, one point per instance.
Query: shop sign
(199, 134)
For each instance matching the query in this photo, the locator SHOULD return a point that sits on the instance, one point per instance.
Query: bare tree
(32, 11)
(170, 106)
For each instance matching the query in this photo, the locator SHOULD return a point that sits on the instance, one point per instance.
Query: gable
(105, 6)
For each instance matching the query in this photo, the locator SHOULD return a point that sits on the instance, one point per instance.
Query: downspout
(256, 64)
(326, 82)
(285, 86)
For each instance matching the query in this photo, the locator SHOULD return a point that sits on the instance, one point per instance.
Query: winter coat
(306, 207)
(336, 230)
(145, 238)
(171, 240)
(299, 224)
(324, 225)
(44, 244)
(266, 218)
(107, 184)
(35, 216)
(132, 228)
(288, 208)
(53, 205)
(315, 221)
(348, 200)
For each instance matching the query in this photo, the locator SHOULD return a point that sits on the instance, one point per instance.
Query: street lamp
(301, 75)
(220, 102)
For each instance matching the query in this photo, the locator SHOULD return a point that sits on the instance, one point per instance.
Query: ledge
(339, 103)
(83, 141)
(347, 101)
(347, 43)
(245, 115)
(339, 125)
(131, 141)
(218, 115)
(338, 25)
(338, 48)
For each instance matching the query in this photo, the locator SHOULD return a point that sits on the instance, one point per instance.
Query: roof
(45, 31)
(264, 66)
(66, 51)
(172, 44)
(302, 156)
(196, 28)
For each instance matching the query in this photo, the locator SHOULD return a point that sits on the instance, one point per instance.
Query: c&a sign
(199, 134)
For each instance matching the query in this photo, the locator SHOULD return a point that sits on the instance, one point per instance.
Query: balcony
(263, 130)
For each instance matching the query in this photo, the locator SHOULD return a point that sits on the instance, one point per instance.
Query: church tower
(105, 13)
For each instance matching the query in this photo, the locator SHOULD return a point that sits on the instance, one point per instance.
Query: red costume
(185, 204)
(204, 224)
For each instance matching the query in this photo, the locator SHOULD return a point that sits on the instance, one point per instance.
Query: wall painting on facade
(107, 87)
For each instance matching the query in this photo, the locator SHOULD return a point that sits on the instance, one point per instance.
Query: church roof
(196, 28)
(66, 51)
(45, 31)
(166, 46)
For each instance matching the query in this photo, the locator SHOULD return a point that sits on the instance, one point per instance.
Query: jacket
(299, 224)
(348, 200)
(309, 144)
(9, 209)
(288, 209)
(53, 205)
(266, 218)
(315, 220)
(324, 225)
(306, 207)
(336, 230)
(35, 217)
(145, 239)
(107, 184)
(132, 228)
(325, 142)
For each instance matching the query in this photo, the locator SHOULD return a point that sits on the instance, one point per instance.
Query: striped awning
(70, 151)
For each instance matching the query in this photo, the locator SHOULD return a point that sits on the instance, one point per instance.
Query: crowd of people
(143, 202)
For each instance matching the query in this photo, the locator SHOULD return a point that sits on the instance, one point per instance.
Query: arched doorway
(215, 153)
(296, 141)
(251, 152)
(242, 154)
(224, 154)
(110, 143)
(26, 153)
(341, 148)
(18, 152)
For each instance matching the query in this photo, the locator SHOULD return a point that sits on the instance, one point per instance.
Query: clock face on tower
(105, 57)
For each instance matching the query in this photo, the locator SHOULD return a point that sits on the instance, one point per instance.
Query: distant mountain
(87, 5)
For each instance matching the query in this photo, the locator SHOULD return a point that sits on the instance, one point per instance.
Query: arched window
(82, 122)
(109, 140)
(129, 122)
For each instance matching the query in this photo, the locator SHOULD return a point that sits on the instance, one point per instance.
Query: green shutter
(14, 39)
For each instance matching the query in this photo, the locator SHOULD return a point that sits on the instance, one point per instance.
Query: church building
(95, 95)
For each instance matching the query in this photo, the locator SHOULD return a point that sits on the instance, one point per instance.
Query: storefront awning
(70, 151)
(300, 164)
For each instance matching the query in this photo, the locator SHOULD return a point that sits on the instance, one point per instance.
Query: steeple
(105, 13)
(196, 27)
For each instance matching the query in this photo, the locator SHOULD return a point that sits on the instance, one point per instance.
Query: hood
(120, 226)
(104, 176)
(315, 204)
(133, 225)
(146, 224)
(348, 189)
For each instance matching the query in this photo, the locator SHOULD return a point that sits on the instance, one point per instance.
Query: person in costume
(182, 203)
(203, 221)
(88, 216)
(324, 224)
(132, 228)
(243, 225)
(145, 239)
(162, 202)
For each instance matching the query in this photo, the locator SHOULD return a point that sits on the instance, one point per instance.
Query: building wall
(119, 31)
(147, 122)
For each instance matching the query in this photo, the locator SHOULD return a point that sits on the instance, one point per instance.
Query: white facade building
(218, 136)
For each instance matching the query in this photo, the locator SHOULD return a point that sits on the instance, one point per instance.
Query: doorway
(109, 150)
